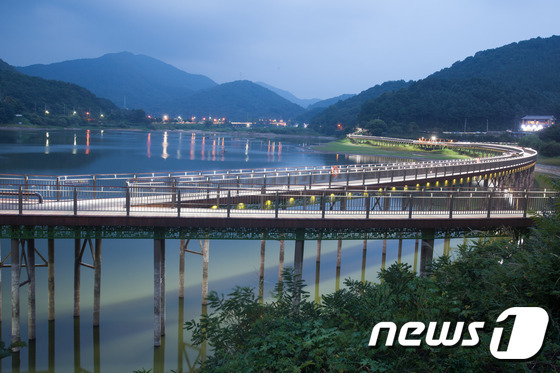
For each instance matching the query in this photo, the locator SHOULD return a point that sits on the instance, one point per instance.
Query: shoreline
(255, 134)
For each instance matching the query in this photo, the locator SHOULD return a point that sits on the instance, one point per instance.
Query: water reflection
(180, 145)
(87, 142)
(149, 146)
(124, 339)
(164, 145)
(193, 138)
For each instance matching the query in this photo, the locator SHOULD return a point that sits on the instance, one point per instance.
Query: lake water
(124, 340)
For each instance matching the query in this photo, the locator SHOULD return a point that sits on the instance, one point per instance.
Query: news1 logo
(526, 338)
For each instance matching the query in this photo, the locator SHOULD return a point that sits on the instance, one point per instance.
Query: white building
(532, 123)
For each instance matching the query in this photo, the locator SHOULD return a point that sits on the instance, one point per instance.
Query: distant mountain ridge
(134, 81)
(142, 82)
(303, 102)
(238, 101)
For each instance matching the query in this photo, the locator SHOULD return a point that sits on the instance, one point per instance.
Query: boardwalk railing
(186, 201)
(318, 177)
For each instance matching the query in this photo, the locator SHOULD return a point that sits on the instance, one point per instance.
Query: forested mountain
(237, 101)
(131, 81)
(33, 97)
(497, 87)
(346, 112)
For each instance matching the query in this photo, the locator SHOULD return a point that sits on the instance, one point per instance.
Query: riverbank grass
(400, 150)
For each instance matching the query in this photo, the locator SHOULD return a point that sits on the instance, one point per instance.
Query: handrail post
(75, 201)
(178, 203)
(127, 200)
(330, 179)
(57, 189)
(368, 205)
(451, 206)
(218, 196)
(20, 200)
(276, 203)
(410, 200)
(323, 205)
(228, 203)
(489, 204)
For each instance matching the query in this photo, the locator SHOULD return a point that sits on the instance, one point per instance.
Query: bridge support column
(298, 259)
(338, 261)
(205, 261)
(384, 251)
(261, 268)
(31, 309)
(399, 255)
(281, 261)
(427, 250)
(298, 266)
(364, 255)
(15, 270)
(182, 268)
(159, 290)
(77, 259)
(416, 244)
(50, 277)
(97, 282)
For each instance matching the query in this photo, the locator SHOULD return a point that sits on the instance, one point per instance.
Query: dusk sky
(312, 48)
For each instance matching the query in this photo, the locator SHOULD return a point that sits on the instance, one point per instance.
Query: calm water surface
(124, 340)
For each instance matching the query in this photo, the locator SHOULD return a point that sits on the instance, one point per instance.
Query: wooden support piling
(77, 259)
(298, 265)
(416, 244)
(281, 261)
(426, 251)
(50, 278)
(205, 260)
(31, 308)
(261, 268)
(77, 357)
(298, 259)
(399, 255)
(364, 255)
(96, 351)
(182, 269)
(15, 271)
(384, 252)
(159, 249)
(319, 240)
(97, 282)
(338, 253)
(51, 348)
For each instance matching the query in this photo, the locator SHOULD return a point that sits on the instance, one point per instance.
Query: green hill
(33, 97)
(346, 112)
(497, 87)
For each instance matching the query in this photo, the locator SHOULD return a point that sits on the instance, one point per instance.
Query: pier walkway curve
(489, 191)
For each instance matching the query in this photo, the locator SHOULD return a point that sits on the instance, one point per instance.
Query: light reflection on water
(124, 340)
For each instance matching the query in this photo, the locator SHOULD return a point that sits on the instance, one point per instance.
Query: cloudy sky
(312, 48)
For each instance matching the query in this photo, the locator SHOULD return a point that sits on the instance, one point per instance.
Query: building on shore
(532, 123)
